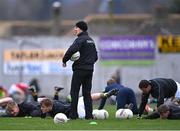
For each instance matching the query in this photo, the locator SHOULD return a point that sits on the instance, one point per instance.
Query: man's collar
(82, 33)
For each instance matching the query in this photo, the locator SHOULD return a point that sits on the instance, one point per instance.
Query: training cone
(93, 123)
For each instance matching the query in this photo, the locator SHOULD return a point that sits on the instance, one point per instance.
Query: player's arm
(153, 115)
(177, 116)
(96, 56)
(28, 106)
(144, 101)
(4, 101)
(35, 109)
(72, 49)
(37, 113)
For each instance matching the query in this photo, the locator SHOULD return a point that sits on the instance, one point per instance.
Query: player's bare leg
(98, 96)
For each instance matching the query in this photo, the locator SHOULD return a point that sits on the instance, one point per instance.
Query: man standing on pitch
(82, 69)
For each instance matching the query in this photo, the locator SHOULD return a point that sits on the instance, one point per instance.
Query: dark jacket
(30, 109)
(160, 88)
(59, 107)
(88, 54)
(174, 112)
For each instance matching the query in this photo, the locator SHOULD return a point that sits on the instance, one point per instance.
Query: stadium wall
(166, 65)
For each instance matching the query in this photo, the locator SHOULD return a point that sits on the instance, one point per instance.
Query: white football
(60, 118)
(102, 114)
(129, 112)
(124, 114)
(75, 56)
(95, 113)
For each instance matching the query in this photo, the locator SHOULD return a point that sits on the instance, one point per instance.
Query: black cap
(82, 25)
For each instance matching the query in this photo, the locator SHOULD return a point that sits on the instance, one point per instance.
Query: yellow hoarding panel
(168, 43)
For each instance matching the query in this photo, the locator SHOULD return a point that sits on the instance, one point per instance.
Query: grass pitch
(109, 124)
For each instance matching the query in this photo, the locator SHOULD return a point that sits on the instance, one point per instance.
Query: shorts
(177, 95)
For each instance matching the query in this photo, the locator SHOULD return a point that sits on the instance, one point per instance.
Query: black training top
(160, 88)
(88, 53)
(174, 111)
(59, 107)
(29, 109)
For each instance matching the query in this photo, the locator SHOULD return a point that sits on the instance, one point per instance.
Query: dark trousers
(126, 96)
(84, 78)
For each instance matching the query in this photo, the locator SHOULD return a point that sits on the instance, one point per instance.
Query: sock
(35, 97)
(103, 95)
(69, 98)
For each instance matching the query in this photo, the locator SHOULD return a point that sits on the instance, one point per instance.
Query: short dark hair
(143, 84)
(46, 102)
(163, 108)
(82, 25)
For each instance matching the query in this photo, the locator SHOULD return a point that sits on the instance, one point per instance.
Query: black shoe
(112, 92)
(56, 88)
(32, 88)
(72, 118)
(89, 118)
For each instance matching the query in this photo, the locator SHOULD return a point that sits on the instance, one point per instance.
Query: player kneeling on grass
(125, 97)
(159, 88)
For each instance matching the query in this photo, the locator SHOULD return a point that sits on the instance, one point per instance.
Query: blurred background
(136, 39)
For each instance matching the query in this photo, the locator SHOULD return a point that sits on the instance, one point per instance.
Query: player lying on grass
(24, 109)
(169, 110)
(17, 92)
(46, 105)
(52, 107)
(125, 97)
(32, 108)
(20, 110)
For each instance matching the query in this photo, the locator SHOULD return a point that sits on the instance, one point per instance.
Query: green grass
(127, 62)
(109, 124)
